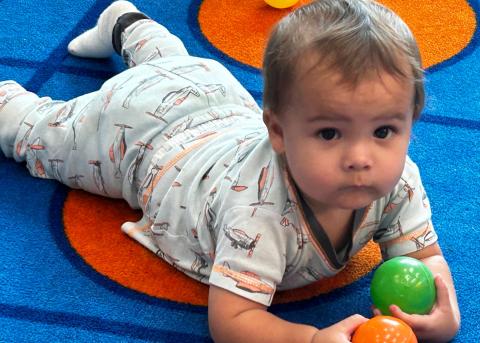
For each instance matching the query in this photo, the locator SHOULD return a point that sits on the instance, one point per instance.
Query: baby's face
(345, 146)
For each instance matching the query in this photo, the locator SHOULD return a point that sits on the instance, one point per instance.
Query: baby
(243, 202)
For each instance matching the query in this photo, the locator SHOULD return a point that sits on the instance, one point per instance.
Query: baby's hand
(440, 325)
(340, 332)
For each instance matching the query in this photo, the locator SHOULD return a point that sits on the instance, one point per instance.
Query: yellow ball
(281, 3)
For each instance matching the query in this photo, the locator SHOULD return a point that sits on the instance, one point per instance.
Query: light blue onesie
(180, 138)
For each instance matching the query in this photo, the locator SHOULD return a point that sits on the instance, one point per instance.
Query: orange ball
(384, 329)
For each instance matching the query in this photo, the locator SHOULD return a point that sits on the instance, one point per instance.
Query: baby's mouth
(358, 188)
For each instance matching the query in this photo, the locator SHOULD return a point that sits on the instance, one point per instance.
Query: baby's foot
(97, 42)
(8, 91)
(15, 104)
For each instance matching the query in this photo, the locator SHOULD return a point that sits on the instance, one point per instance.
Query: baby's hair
(353, 37)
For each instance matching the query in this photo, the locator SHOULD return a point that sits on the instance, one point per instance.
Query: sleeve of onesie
(406, 224)
(250, 257)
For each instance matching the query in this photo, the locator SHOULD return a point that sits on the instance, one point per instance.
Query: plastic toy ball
(281, 3)
(384, 329)
(405, 282)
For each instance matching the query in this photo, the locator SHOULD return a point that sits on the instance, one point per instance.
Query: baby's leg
(66, 140)
(40, 131)
(139, 40)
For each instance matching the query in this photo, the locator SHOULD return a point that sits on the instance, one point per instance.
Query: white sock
(97, 42)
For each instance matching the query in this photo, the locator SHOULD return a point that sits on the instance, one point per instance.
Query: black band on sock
(124, 21)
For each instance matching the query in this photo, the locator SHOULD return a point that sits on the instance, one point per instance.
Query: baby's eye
(329, 134)
(384, 132)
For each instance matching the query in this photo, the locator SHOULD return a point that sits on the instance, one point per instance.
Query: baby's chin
(356, 200)
(349, 198)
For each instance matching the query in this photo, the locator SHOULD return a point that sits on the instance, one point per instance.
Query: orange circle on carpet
(442, 28)
(92, 225)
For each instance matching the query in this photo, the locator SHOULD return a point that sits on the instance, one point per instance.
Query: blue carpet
(47, 292)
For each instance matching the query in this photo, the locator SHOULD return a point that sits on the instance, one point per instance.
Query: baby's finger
(350, 324)
(376, 311)
(410, 319)
(443, 295)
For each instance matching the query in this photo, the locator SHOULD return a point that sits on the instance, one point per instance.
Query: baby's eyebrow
(343, 118)
(329, 117)
(391, 116)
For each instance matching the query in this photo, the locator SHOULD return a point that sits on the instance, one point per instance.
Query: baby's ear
(275, 131)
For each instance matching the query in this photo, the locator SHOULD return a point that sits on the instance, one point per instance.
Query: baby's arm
(233, 318)
(442, 324)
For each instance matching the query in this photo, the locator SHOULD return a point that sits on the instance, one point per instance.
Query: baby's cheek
(391, 175)
(317, 182)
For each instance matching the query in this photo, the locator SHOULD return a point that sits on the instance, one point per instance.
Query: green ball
(405, 282)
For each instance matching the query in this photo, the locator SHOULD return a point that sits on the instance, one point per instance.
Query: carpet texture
(67, 273)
